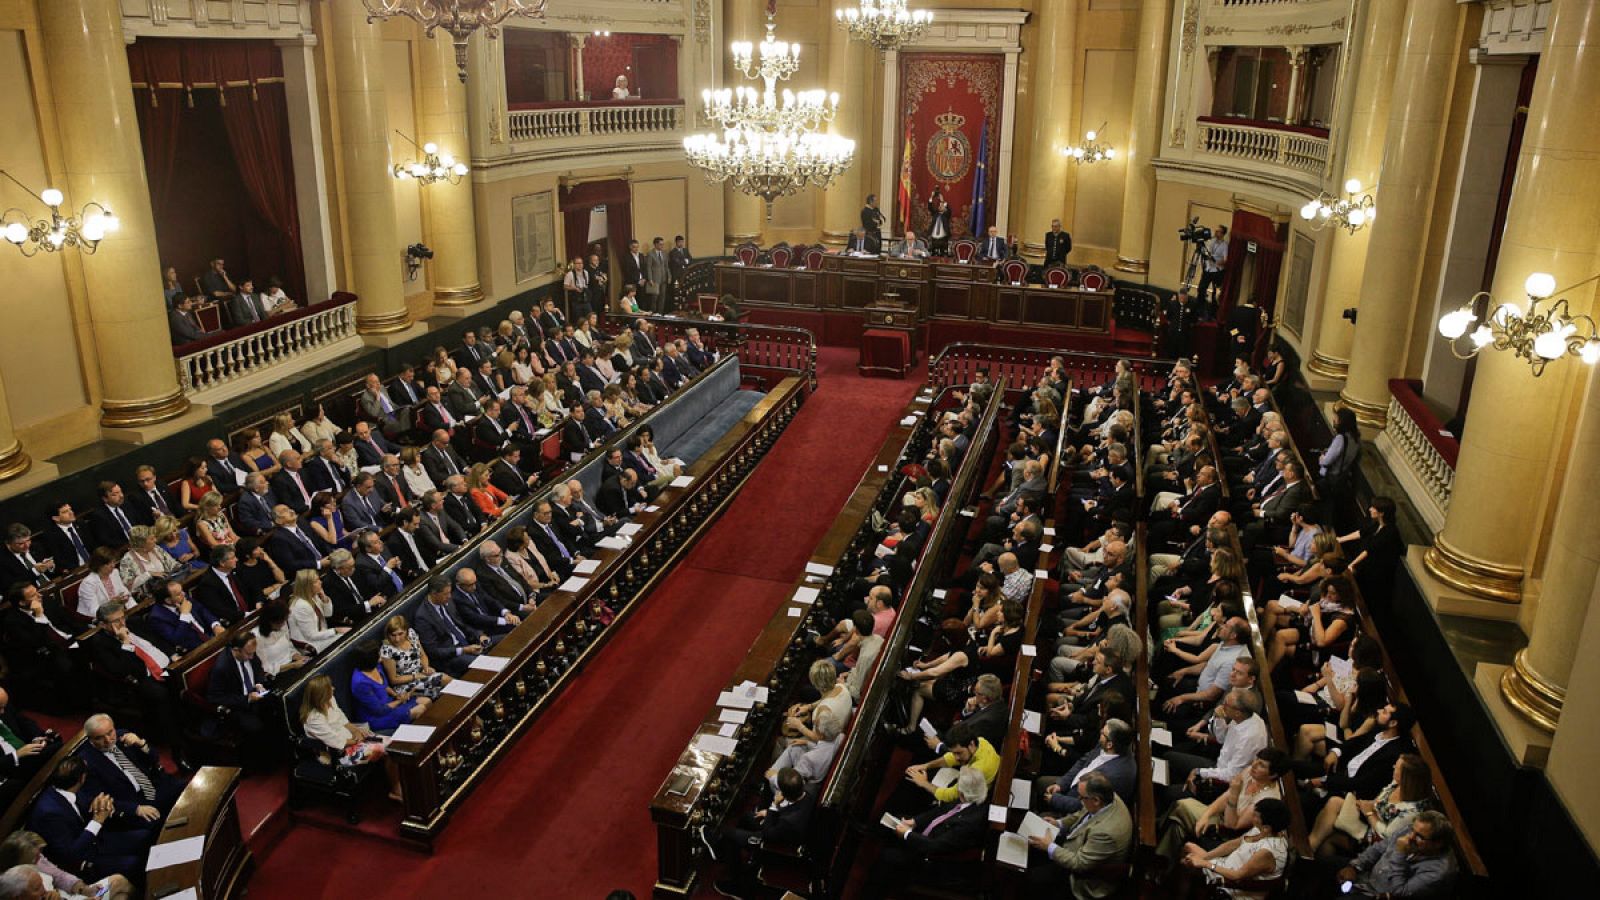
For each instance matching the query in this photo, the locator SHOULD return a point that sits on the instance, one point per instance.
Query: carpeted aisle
(566, 814)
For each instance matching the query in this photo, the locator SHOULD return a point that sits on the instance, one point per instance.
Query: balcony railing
(1419, 452)
(227, 358)
(605, 120)
(1297, 150)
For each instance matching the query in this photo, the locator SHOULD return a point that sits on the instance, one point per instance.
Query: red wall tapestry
(649, 60)
(944, 101)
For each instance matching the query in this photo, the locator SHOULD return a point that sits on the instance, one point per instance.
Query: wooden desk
(206, 809)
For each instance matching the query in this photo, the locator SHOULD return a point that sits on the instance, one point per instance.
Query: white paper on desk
(176, 853)
(1161, 736)
(1034, 825)
(928, 729)
(1029, 650)
(807, 595)
(415, 734)
(1042, 574)
(1032, 722)
(461, 687)
(1341, 667)
(652, 508)
(682, 481)
(573, 584)
(1047, 548)
(883, 468)
(716, 743)
(490, 663)
(1013, 850)
(1303, 697)
(918, 412)
(728, 730)
(909, 420)
(587, 567)
(945, 776)
(940, 593)
(735, 716)
(795, 612)
(1021, 793)
(630, 529)
(1158, 771)
(612, 543)
(818, 569)
(997, 813)
(1049, 531)
(734, 700)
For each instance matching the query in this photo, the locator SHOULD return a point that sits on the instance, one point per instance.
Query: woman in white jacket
(309, 611)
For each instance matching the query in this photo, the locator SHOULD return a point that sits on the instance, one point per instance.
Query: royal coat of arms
(949, 151)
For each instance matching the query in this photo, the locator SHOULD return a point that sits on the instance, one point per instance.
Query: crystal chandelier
(83, 230)
(433, 167)
(885, 24)
(771, 145)
(1091, 150)
(1350, 211)
(459, 17)
(1537, 336)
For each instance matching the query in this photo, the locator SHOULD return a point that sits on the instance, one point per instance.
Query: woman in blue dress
(174, 539)
(376, 703)
(327, 523)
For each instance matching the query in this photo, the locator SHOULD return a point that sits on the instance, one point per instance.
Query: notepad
(587, 567)
(415, 734)
(1012, 851)
(945, 776)
(1029, 650)
(818, 569)
(682, 481)
(630, 529)
(909, 420)
(176, 853)
(1161, 736)
(1341, 667)
(1047, 548)
(728, 730)
(1041, 574)
(462, 688)
(716, 743)
(940, 593)
(997, 813)
(889, 821)
(573, 584)
(1158, 771)
(1021, 793)
(969, 513)
(1033, 825)
(736, 716)
(1303, 697)
(1032, 722)
(1049, 531)
(735, 700)
(795, 612)
(652, 508)
(883, 468)
(490, 663)
(807, 595)
(612, 543)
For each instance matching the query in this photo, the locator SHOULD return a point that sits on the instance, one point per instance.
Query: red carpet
(566, 814)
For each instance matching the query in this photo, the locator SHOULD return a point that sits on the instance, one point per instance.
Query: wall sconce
(433, 167)
(83, 230)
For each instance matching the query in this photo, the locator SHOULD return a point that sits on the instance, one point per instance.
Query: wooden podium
(889, 336)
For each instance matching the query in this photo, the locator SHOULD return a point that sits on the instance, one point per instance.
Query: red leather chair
(1013, 271)
(814, 256)
(747, 254)
(1057, 277)
(964, 249)
(780, 256)
(1094, 280)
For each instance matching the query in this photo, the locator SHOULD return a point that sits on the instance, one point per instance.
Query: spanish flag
(905, 183)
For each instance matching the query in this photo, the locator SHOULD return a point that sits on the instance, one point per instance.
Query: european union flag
(980, 186)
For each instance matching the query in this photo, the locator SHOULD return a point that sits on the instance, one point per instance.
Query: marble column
(13, 459)
(1550, 227)
(1053, 81)
(847, 75)
(1423, 75)
(370, 227)
(1369, 123)
(452, 231)
(1144, 137)
(87, 59)
(741, 212)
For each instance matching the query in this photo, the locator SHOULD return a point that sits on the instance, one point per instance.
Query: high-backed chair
(780, 256)
(1057, 277)
(964, 249)
(814, 257)
(1094, 280)
(1013, 271)
(747, 254)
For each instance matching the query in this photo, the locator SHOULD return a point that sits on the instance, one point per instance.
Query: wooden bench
(207, 811)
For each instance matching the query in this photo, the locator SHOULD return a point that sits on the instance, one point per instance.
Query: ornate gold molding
(1136, 266)
(734, 240)
(134, 413)
(1372, 415)
(1532, 695)
(13, 461)
(1477, 577)
(462, 296)
(1329, 366)
(835, 238)
(383, 323)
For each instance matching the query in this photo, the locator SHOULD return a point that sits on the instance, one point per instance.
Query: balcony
(625, 125)
(1301, 149)
(1420, 453)
(236, 362)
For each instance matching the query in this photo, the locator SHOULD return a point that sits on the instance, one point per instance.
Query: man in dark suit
(1186, 516)
(1057, 244)
(107, 523)
(19, 563)
(993, 246)
(406, 544)
(551, 319)
(292, 485)
(320, 472)
(405, 390)
(619, 494)
(239, 684)
(506, 473)
(858, 242)
(362, 507)
(575, 438)
(503, 586)
(596, 424)
(225, 469)
(449, 642)
(678, 262)
(289, 546)
(24, 748)
(353, 599)
(480, 611)
(440, 460)
(219, 591)
(132, 670)
(1111, 757)
(589, 377)
(181, 322)
(489, 434)
(1279, 501)
(784, 822)
(35, 638)
(62, 815)
(459, 506)
(470, 353)
(179, 623)
(252, 514)
(1366, 763)
(462, 397)
(150, 500)
(922, 848)
(63, 541)
(244, 307)
(872, 220)
(438, 534)
(371, 445)
(633, 267)
(124, 767)
(985, 713)
(433, 415)
(390, 485)
(557, 549)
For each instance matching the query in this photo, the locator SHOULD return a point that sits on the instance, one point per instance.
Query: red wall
(604, 58)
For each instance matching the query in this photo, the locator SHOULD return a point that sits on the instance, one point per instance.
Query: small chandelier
(1538, 335)
(433, 167)
(1350, 211)
(1091, 150)
(458, 17)
(83, 230)
(885, 24)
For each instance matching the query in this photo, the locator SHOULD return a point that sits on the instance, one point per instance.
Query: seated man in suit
(458, 505)
(909, 247)
(404, 389)
(63, 541)
(596, 524)
(220, 591)
(24, 748)
(433, 414)
(135, 670)
(993, 247)
(1363, 764)
(406, 544)
(922, 847)
(371, 445)
(621, 495)
(19, 563)
(292, 486)
(84, 832)
(123, 766)
(440, 460)
(289, 546)
(376, 571)
(391, 485)
(489, 435)
(35, 638)
(589, 376)
(503, 585)
(150, 500)
(363, 509)
(596, 423)
(324, 471)
(182, 323)
(238, 683)
(479, 610)
(225, 468)
(506, 473)
(784, 821)
(252, 514)
(179, 622)
(376, 404)
(1099, 833)
(575, 436)
(438, 534)
(1112, 757)
(107, 523)
(461, 397)
(471, 352)
(449, 642)
(353, 599)
(556, 547)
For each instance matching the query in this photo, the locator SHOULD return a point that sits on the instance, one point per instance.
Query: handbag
(1350, 820)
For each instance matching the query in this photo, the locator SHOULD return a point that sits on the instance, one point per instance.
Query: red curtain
(261, 146)
(578, 201)
(1248, 227)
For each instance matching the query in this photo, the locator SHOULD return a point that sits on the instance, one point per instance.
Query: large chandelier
(459, 17)
(83, 230)
(771, 145)
(433, 167)
(885, 24)
(1091, 150)
(1352, 211)
(1537, 335)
